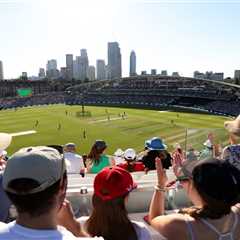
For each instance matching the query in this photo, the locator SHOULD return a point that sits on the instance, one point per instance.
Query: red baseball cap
(113, 182)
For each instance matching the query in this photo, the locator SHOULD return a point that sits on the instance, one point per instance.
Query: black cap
(100, 144)
(216, 178)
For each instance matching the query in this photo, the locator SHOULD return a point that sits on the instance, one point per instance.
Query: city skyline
(182, 36)
(80, 69)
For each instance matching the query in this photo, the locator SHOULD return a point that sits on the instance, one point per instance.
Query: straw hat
(233, 126)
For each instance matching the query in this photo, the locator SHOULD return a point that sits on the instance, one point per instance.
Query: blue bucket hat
(155, 143)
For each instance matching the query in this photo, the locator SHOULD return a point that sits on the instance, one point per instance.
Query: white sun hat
(130, 154)
(119, 152)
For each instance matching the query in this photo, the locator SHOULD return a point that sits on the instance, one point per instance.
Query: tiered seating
(139, 199)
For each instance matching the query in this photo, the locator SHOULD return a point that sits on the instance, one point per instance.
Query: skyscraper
(52, 71)
(69, 66)
(52, 64)
(41, 73)
(101, 69)
(75, 69)
(63, 73)
(114, 60)
(91, 73)
(1, 71)
(133, 64)
(83, 65)
(107, 72)
(237, 74)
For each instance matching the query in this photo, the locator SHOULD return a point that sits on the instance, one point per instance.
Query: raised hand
(65, 214)
(161, 173)
(67, 219)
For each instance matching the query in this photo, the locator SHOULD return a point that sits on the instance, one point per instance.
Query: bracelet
(160, 189)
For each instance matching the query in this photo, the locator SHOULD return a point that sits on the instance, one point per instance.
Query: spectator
(3, 162)
(35, 181)
(177, 158)
(192, 154)
(118, 156)
(5, 203)
(211, 149)
(5, 141)
(232, 152)
(97, 160)
(207, 152)
(109, 218)
(130, 162)
(213, 187)
(156, 148)
(74, 161)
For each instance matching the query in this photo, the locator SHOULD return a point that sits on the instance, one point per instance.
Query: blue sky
(173, 35)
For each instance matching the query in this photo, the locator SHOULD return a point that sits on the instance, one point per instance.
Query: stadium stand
(155, 92)
(158, 92)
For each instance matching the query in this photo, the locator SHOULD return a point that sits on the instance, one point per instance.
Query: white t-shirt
(141, 230)
(74, 162)
(14, 231)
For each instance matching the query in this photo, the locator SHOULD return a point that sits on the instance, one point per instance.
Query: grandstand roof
(150, 78)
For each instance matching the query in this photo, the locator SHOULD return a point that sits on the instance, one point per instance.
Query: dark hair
(130, 167)
(59, 148)
(179, 150)
(34, 204)
(216, 183)
(109, 219)
(95, 154)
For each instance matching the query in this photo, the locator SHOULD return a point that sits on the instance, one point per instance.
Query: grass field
(131, 132)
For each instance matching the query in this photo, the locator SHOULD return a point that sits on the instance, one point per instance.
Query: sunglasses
(182, 178)
(178, 179)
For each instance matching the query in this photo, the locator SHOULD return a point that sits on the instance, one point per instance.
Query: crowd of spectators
(41, 99)
(229, 108)
(145, 99)
(203, 96)
(35, 181)
(156, 94)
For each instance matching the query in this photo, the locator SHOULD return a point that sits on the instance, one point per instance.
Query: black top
(149, 159)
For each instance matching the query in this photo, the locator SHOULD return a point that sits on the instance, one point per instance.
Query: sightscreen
(24, 92)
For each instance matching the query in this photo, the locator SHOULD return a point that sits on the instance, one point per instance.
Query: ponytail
(130, 167)
(214, 211)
